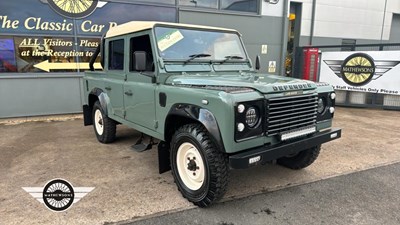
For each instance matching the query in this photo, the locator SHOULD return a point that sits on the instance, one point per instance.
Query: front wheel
(200, 170)
(300, 160)
(104, 127)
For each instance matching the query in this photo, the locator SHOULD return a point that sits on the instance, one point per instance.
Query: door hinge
(155, 124)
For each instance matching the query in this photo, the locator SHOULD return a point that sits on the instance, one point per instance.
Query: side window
(116, 55)
(143, 44)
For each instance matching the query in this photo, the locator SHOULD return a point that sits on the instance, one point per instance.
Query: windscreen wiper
(229, 57)
(194, 56)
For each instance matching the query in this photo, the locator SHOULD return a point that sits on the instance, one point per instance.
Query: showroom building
(45, 45)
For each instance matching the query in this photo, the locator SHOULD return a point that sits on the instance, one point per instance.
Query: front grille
(288, 113)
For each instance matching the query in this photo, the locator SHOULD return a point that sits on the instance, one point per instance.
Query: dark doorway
(293, 36)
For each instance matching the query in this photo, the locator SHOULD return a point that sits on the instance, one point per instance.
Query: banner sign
(61, 35)
(83, 17)
(367, 71)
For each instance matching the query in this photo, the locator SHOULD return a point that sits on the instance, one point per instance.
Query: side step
(142, 145)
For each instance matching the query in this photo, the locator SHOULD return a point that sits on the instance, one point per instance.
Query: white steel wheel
(190, 166)
(199, 168)
(104, 127)
(99, 122)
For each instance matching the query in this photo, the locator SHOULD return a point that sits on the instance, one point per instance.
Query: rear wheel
(200, 170)
(104, 127)
(300, 160)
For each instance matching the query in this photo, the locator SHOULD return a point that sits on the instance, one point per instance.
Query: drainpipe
(314, 6)
(383, 22)
(284, 35)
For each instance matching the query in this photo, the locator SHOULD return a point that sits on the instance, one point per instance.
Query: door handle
(129, 93)
(108, 88)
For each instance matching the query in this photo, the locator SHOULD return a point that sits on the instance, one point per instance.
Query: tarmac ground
(366, 197)
(127, 186)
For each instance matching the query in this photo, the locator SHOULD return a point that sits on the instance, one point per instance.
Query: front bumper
(264, 154)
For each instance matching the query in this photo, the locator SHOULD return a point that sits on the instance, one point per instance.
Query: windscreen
(190, 44)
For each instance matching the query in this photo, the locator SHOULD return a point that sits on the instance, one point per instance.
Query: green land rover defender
(194, 92)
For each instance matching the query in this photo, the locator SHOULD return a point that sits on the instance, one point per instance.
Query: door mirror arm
(151, 75)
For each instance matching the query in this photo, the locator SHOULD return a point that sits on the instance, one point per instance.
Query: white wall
(354, 19)
(268, 9)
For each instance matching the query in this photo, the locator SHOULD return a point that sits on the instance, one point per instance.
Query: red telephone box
(310, 64)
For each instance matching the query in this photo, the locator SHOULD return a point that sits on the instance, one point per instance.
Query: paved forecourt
(127, 184)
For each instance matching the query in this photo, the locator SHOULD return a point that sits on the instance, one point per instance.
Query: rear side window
(116, 55)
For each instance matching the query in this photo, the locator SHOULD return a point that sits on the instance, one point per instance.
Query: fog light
(331, 110)
(240, 108)
(240, 127)
(333, 96)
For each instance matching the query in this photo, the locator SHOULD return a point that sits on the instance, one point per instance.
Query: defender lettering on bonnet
(291, 87)
(193, 91)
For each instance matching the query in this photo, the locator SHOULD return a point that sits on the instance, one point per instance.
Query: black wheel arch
(96, 94)
(181, 114)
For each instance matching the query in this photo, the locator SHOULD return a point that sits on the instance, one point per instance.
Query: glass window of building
(240, 5)
(8, 61)
(58, 39)
(168, 2)
(87, 45)
(200, 3)
(37, 54)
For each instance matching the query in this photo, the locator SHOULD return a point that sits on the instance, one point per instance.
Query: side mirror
(258, 62)
(139, 61)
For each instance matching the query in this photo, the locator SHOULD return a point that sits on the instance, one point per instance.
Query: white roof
(135, 26)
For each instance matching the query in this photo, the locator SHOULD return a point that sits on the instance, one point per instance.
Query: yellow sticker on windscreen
(169, 39)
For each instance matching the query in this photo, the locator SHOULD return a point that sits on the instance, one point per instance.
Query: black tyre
(200, 170)
(300, 160)
(104, 127)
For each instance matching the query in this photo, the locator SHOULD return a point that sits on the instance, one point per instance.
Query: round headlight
(321, 106)
(252, 117)
(333, 95)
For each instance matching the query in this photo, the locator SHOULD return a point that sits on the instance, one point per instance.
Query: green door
(139, 100)
(114, 83)
(139, 90)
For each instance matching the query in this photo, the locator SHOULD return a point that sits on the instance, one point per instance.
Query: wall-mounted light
(272, 1)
